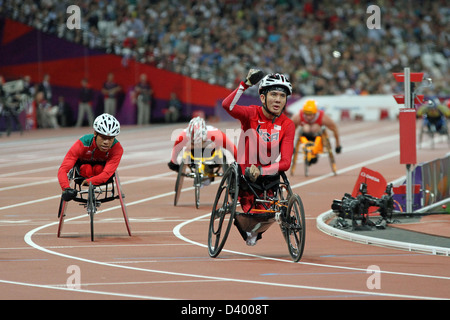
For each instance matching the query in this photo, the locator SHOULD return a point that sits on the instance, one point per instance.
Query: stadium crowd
(325, 47)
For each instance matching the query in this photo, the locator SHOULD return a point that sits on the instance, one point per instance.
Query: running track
(166, 258)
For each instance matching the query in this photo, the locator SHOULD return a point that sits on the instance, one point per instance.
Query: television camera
(357, 208)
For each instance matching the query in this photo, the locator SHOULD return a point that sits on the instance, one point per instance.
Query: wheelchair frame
(91, 198)
(197, 171)
(306, 151)
(284, 207)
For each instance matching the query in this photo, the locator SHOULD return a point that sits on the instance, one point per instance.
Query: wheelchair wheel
(327, 145)
(179, 183)
(122, 202)
(91, 208)
(197, 185)
(295, 227)
(223, 212)
(61, 214)
(295, 155)
(306, 162)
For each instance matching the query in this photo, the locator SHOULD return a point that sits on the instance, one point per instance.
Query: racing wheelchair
(279, 204)
(432, 126)
(308, 154)
(202, 169)
(92, 197)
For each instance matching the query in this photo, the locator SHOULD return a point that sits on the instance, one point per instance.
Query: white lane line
(84, 291)
(28, 240)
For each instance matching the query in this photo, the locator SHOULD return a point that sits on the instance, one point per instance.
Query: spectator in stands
(143, 92)
(110, 92)
(46, 88)
(326, 47)
(173, 111)
(64, 115)
(85, 105)
(46, 113)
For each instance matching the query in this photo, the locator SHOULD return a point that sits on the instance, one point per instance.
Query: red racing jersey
(263, 142)
(213, 135)
(85, 149)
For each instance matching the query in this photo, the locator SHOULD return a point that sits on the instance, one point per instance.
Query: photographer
(11, 103)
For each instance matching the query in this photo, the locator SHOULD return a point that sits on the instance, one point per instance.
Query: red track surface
(166, 258)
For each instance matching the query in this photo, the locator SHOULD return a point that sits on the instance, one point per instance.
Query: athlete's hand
(69, 194)
(338, 149)
(253, 77)
(252, 173)
(174, 167)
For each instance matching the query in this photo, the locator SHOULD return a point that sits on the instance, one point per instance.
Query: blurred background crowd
(325, 47)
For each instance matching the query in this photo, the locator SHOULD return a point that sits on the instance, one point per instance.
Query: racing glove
(252, 172)
(69, 194)
(338, 149)
(253, 77)
(174, 167)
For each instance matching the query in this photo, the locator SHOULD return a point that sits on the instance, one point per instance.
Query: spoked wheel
(295, 155)
(179, 183)
(327, 145)
(223, 212)
(295, 227)
(306, 162)
(122, 203)
(91, 208)
(197, 185)
(61, 215)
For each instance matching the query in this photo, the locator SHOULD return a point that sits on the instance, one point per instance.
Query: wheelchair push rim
(223, 212)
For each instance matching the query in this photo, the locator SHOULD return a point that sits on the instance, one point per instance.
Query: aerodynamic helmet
(310, 107)
(197, 130)
(107, 125)
(275, 80)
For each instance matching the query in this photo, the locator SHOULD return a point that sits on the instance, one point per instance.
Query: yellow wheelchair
(307, 151)
(202, 168)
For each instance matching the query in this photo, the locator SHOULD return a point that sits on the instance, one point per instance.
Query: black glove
(252, 173)
(69, 194)
(174, 167)
(338, 149)
(253, 77)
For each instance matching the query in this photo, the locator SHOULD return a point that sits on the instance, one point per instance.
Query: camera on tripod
(357, 208)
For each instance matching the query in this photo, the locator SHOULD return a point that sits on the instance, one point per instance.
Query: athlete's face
(275, 101)
(104, 143)
(309, 116)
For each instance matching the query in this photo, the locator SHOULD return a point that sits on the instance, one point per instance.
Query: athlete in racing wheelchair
(434, 115)
(202, 158)
(264, 154)
(92, 162)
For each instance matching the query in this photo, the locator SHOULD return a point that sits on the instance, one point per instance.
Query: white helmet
(107, 125)
(197, 130)
(275, 80)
